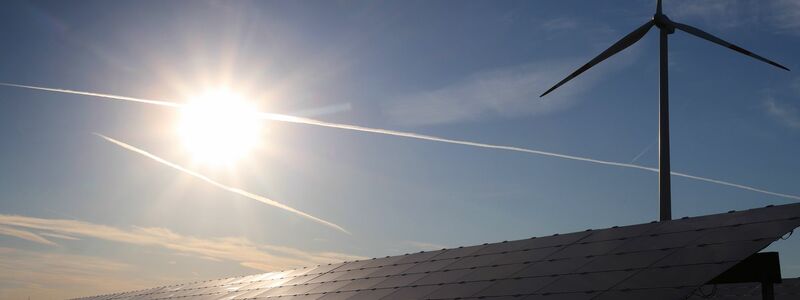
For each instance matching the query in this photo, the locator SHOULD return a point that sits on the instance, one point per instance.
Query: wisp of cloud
(308, 121)
(234, 190)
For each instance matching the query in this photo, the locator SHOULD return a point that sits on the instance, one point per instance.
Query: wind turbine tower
(666, 27)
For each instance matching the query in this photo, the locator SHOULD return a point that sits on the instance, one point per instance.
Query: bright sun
(219, 128)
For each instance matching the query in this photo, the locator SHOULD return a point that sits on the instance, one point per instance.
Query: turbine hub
(662, 22)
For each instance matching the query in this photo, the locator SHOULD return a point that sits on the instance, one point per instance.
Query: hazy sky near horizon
(80, 216)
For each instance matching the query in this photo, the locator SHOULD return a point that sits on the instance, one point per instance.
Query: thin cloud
(237, 249)
(786, 16)
(560, 23)
(505, 92)
(781, 16)
(307, 121)
(59, 236)
(40, 275)
(784, 113)
(513, 91)
(231, 189)
(718, 13)
(25, 235)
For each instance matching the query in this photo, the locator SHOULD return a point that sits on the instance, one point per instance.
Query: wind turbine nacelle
(662, 22)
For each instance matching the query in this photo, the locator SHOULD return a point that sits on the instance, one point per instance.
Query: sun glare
(219, 128)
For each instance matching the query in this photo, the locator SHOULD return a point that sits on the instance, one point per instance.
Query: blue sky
(81, 216)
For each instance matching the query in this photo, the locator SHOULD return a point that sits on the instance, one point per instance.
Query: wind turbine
(666, 27)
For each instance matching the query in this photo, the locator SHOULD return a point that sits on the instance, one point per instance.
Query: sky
(82, 215)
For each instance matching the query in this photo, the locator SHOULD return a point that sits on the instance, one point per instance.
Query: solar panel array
(659, 260)
(789, 289)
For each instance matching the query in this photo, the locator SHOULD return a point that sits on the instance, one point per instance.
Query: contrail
(298, 120)
(635, 158)
(741, 186)
(220, 185)
(307, 121)
(511, 148)
(107, 96)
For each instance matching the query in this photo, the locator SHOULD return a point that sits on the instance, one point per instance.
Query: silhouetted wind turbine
(666, 27)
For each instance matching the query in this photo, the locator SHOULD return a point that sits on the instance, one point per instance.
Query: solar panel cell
(458, 252)
(565, 296)
(390, 270)
(619, 233)
(749, 231)
(494, 272)
(411, 292)
(456, 290)
(554, 267)
(428, 266)
(328, 287)
(648, 294)
(555, 240)
(371, 294)
(515, 286)
(526, 255)
(505, 246)
(618, 262)
(418, 257)
(445, 276)
(383, 261)
(674, 276)
(660, 241)
(587, 249)
(399, 281)
(733, 251)
(585, 282)
(338, 296)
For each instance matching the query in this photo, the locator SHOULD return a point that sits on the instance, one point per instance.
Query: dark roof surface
(659, 260)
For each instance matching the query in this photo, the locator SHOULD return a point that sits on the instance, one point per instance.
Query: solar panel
(663, 260)
(789, 289)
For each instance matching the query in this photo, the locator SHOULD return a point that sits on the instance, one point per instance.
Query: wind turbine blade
(620, 45)
(707, 36)
(658, 7)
